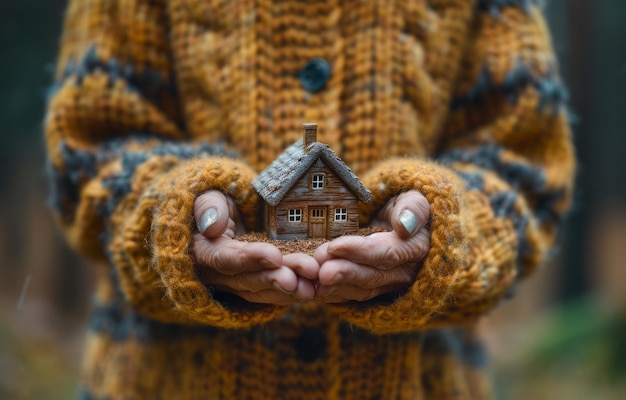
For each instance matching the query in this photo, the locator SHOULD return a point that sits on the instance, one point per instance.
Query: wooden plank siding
(335, 194)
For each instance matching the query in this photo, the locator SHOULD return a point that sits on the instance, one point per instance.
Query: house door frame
(318, 222)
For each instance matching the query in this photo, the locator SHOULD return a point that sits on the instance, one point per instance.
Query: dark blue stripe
(520, 176)
(552, 93)
(78, 167)
(494, 6)
(474, 352)
(149, 83)
(475, 180)
(120, 322)
(503, 205)
(81, 165)
(453, 342)
(120, 184)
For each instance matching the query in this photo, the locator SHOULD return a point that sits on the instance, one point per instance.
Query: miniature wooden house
(309, 192)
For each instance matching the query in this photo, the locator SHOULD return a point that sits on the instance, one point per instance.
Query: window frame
(342, 214)
(318, 184)
(321, 211)
(294, 215)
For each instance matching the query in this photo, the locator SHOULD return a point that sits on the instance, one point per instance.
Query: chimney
(310, 135)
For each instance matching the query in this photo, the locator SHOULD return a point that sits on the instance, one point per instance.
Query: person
(163, 112)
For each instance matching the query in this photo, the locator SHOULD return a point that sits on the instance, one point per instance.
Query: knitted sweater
(157, 101)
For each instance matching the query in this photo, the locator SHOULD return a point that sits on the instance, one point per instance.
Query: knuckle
(247, 256)
(213, 258)
(264, 277)
(244, 254)
(390, 258)
(204, 254)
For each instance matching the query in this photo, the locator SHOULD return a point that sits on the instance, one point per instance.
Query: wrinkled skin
(344, 269)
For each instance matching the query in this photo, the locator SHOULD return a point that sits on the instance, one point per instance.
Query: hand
(363, 267)
(257, 272)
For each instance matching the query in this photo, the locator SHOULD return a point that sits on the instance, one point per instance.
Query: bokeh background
(563, 336)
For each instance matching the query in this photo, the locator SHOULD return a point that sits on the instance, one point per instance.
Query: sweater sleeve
(124, 175)
(498, 186)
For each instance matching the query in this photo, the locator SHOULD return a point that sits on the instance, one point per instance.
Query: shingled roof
(275, 181)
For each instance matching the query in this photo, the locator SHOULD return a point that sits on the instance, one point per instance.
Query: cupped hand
(363, 267)
(256, 272)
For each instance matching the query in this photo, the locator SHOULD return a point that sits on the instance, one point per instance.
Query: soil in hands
(306, 246)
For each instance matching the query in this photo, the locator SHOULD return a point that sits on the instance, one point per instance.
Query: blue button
(315, 74)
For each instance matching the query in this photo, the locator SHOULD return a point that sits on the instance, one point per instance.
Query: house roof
(275, 181)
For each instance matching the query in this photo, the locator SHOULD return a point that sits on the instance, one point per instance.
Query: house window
(341, 214)
(295, 215)
(317, 213)
(317, 182)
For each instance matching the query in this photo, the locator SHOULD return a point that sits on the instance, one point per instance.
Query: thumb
(410, 213)
(212, 214)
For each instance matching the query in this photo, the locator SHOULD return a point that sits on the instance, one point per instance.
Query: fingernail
(207, 219)
(268, 264)
(409, 221)
(337, 278)
(325, 291)
(280, 288)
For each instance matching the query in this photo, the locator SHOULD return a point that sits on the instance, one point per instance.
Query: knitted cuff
(449, 247)
(159, 279)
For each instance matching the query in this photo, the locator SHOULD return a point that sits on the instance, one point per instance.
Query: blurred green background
(562, 337)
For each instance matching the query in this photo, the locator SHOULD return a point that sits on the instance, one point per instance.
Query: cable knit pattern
(449, 245)
(157, 101)
(172, 228)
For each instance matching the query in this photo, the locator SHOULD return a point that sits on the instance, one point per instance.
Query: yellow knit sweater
(157, 101)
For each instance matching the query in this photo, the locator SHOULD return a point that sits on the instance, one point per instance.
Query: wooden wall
(334, 195)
